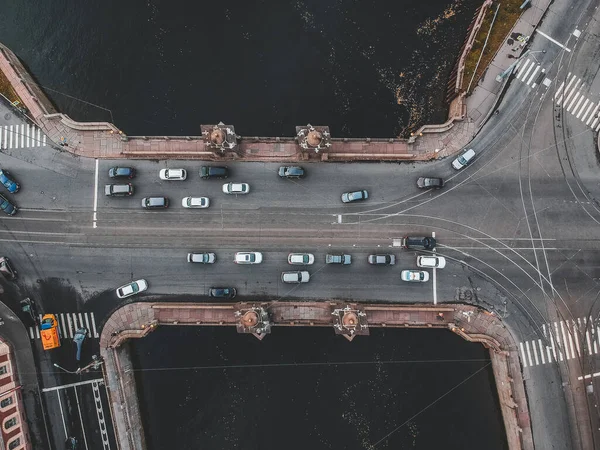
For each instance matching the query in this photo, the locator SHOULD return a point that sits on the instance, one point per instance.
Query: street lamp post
(65, 370)
(95, 364)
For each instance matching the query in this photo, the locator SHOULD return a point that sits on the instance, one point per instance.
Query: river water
(155, 67)
(305, 388)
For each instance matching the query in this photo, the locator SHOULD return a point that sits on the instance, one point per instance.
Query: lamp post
(65, 370)
(501, 76)
(95, 364)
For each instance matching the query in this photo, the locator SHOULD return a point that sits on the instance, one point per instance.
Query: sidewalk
(105, 140)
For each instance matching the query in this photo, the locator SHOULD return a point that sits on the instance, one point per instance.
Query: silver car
(301, 259)
(173, 174)
(355, 196)
(202, 258)
(295, 277)
(135, 287)
(236, 188)
(195, 202)
(248, 258)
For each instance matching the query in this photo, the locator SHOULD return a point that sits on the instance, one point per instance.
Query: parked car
(438, 262)
(355, 196)
(415, 275)
(207, 172)
(173, 174)
(11, 185)
(291, 172)
(430, 183)
(118, 190)
(219, 292)
(301, 259)
(236, 188)
(338, 258)
(464, 159)
(7, 206)
(382, 260)
(203, 258)
(427, 243)
(195, 202)
(30, 310)
(121, 172)
(6, 268)
(155, 202)
(135, 287)
(301, 276)
(248, 258)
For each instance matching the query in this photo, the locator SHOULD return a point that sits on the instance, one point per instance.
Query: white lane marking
(573, 101)
(38, 142)
(582, 108)
(587, 377)
(31, 333)
(81, 419)
(585, 115)
(523, 354)
(44, 140)
(5, 136)
(70, 385)
(70, 329)
(553, 40)
(527, 72)
(94, 325)
(22, 135)
(434, 276)
(81, 320)
(37, 330)
(559, 90)
(558, 344)
(537, 361)
(94, 225)
(541, 351)
(565, 340)
(553, 347)
(100, 415)
(10, 137)
(61, 413)
(522, 71)
(577, 106)
(64, 327)
(576, 336)
(28, 136)
(537, 68)
(87, 323)
(528, 353)
(593, 114)
(572, 92)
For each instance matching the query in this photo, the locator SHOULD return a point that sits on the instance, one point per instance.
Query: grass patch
(7, 90)
(508, 14)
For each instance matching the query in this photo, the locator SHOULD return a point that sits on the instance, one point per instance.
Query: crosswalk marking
(528, 71)
(69, 323)
(21, 136)
(561, 341)
(571, 95)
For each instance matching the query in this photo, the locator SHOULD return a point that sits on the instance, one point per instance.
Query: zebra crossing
(69, 323)
(562, 341)
(528, 71)
(21, 136)
(568, 96)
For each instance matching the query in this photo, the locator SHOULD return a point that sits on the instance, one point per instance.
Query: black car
(421, 242)
(291, 172)
(7, 206)
(121, 172)
(430, 183)
(222, 292)
(155, 202)
(213, 172)
(30, 310)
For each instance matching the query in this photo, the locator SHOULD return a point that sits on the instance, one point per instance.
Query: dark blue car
(121, 172)
(10, 184)
(7, 206)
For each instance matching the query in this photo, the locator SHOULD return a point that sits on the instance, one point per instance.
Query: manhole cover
(7, 116)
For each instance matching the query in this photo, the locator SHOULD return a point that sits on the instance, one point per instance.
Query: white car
(195, 202)
(438, 262)
(464, 159)
(248, 258)
(301, 259)
(295, 277)
(415, 275)
(173, 174)
(202, 258)
(236, 188)
(135, 287)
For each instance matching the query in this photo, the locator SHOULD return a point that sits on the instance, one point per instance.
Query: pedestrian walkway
(21, 136)
(564, 340)
(68, 324)
(571, 96)
(527, 70)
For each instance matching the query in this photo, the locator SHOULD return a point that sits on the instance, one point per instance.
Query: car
(30, 310)
(430, 183)
(129, 289)
(291, 172)
(248, 258)
(427, 243)
(203, 258)
(11, 185)
(71, 443)
(7, 269)
(220, 292)
(121, 172)
(7, 206)
(195, 202)
(155, 202)
(338, 258)
(354, 196)
(173, 174)
(431, 261)
(415, 275)
(118, 190)
(207, 172)
(296, 277)
(382, 260)
(236, 188)
(301, 259)
(464, 159)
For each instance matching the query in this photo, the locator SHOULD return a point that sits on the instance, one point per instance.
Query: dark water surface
(308, 389)
(365, 68)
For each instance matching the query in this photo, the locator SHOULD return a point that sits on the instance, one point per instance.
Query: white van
(463, 159)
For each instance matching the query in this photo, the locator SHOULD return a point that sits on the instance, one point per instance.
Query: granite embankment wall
(136, 320)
